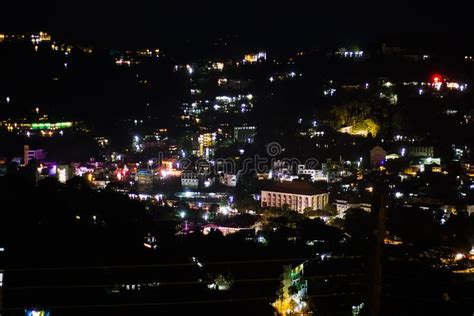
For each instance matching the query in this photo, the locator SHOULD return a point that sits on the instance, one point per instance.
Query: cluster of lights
(121, 62)
(41, 37)
(456, 86)
(50, 126)
(437, 82)
(218, 66)
(253, 58)
(147, 52)
(350, 54)
(189, 69)
(329, 92)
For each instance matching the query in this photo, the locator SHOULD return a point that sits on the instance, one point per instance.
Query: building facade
(189, 180)
(298, 198)
(377, 156)
(420, 151)
(244, 134)
(343, 205)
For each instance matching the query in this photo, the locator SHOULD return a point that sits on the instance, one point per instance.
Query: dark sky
(258, 22)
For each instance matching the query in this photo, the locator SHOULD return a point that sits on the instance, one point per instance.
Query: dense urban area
(323, 181)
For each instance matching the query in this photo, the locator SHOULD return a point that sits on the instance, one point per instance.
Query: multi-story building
(298, 196)
(244, 134)
(420, 151)
(206, 142)
(189, 180)
(342, 205)
(315, 174)
(377, 156)
(28, 154)
(64, 173)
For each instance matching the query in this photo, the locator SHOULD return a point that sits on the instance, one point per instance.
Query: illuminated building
(189, 180)
(253, 58)
(392, 156)
(218, 66)
(342, 205)
(342, 52)
(28, 154)
(456, 86)
(229, 180)
(298, 196)
(50, 126)
(420, 151)
(244, 134)
(292, 302)
(64, 173)
(2, 37)
(436, 168)
(40, 37)
(225, 230)
(102, 141)
(144, 177)
(221, 82)
(377, 156)
(430, 161)
(412, 171)
(146, 52)
(281, 171)
(315, 174)
(121, 61)
(206, 144)
(137, 145)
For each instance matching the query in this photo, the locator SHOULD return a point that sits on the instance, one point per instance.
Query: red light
(436, 78)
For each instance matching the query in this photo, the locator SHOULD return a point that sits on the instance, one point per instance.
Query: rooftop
(295, 187)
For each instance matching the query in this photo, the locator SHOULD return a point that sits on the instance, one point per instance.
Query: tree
(357, 223)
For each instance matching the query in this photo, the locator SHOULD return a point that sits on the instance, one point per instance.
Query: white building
(189, 180)
(64, 173)
(299, 196)
(315, 174)
(343, 205)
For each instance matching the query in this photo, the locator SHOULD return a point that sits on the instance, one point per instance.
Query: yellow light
(62, 175)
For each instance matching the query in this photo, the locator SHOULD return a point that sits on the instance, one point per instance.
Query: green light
(58, 125)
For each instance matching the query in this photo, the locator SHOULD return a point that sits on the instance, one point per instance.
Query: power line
(166, 265)
(249, 280)
(231, 300)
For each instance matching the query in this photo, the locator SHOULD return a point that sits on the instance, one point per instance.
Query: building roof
(295, 187)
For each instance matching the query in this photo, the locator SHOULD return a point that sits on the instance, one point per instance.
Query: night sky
(256, 23)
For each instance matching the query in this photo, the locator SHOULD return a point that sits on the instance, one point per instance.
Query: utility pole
(376, 248)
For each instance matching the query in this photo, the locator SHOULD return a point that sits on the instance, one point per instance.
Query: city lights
(263, 160)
